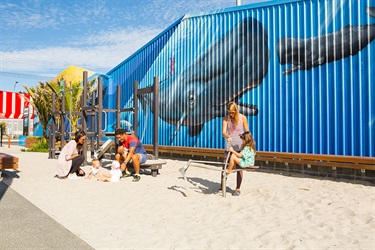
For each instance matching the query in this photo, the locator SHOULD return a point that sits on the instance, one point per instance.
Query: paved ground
(24, 226)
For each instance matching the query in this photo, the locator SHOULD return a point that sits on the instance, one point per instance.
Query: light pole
(14, 91)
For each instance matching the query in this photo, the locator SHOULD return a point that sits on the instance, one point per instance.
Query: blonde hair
(233, 106)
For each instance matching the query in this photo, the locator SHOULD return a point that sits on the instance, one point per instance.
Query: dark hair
(79, 134)
(120, 131)
(249, 140)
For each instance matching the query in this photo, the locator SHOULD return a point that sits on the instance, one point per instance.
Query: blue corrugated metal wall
(298, 62)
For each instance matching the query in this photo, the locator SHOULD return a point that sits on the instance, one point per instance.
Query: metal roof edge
(147, 44)
(242, 7)
(187, 16)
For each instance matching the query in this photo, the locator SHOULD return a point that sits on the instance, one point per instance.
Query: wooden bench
(334, 161)
(187, 151)
(154, 166)
(8, 162)
(151, 163)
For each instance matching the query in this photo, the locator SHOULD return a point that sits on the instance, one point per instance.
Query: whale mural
(305, 54)
(205, 60)
(204, 88)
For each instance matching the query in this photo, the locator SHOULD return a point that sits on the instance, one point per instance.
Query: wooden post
(100, 110)
(62, 114)
(92, 114)
(118, 106)
(84, 116)
(156, 116)
(52, 132)
(135, 106)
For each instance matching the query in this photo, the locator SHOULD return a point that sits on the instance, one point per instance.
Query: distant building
(17, 112)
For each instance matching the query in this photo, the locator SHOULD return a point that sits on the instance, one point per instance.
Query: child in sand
(94, 169)
(247, 156)
(114, 175)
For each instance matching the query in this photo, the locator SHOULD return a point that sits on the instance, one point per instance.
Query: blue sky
(41, 38)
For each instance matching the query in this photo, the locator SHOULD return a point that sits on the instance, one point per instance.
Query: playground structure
(98, 146)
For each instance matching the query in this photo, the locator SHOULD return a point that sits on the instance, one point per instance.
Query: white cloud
(98, 53)
(99, 50)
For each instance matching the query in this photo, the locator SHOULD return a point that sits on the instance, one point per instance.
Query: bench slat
(353, 162)
(8, 161)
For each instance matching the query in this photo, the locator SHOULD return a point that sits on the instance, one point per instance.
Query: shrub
(41, 145)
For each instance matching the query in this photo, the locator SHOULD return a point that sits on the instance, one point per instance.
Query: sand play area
(274, 211)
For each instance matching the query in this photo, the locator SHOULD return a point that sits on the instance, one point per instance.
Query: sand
(274, 211)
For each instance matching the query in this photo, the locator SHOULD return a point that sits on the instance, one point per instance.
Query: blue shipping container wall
(300, 71)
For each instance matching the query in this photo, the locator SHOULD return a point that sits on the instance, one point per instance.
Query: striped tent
(12, 105)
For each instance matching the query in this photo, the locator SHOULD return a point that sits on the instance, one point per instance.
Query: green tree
(42, 102)
(73, 99)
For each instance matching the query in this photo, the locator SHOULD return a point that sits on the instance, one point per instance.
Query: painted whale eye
(191, 98)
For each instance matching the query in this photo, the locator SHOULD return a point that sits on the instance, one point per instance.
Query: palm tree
(42, 102)
(73, 95)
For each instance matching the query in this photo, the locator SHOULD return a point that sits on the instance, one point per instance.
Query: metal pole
(1, 135)
(238, 2)
(14, 91)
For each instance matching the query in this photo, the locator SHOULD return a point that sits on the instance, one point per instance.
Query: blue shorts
(142, 158)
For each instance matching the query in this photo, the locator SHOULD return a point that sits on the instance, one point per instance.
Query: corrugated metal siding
(326, 109)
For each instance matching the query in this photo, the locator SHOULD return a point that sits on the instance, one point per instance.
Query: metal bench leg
(224, 183)
(184, 169)
(154, 172)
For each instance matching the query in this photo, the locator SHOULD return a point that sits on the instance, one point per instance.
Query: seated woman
(69, 161)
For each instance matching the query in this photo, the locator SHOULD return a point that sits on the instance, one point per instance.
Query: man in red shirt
(130, 149)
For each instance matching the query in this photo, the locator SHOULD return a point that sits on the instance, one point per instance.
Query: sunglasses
(242, 136)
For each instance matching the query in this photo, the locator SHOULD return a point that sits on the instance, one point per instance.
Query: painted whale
(305, 54)
(228, 69)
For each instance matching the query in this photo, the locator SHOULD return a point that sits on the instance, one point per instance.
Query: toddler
(94, 169)
(114, 175)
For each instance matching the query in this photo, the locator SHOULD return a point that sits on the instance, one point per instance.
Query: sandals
(236, 193)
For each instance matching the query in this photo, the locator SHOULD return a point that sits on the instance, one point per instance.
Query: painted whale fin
(321, 60)
(195, 130)
(291, 69)
(179, 123)
(247, 109)
(371, 11)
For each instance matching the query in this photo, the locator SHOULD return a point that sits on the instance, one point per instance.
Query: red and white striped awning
(12, 105)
